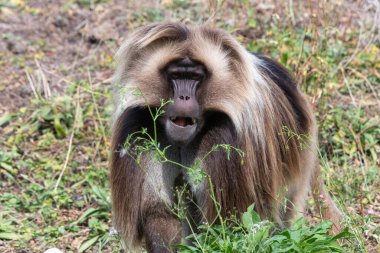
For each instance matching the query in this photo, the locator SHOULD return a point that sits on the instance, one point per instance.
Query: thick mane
(236, 86)
(259, 110)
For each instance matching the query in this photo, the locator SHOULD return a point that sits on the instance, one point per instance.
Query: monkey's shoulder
(283, 79)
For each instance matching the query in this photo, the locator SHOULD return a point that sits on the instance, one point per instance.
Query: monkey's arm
(141, 188)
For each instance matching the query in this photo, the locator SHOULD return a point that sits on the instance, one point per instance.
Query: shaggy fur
(246, 102)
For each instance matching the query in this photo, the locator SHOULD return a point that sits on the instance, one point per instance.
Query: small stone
(60, 21)
(16, 47)
(53, 250)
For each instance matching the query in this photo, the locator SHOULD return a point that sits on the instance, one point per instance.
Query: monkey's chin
(180, 135)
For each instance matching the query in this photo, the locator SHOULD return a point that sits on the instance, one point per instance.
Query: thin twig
(45, 83)
(31, 84)
(70, 143)
(96, 107)
(66, 161)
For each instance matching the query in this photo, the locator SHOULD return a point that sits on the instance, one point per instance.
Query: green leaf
(79, 119)
(8, 168)
(58, 126)
(250, 217)
(5, 119)
(86, 244)
(87, 214)
(9, 236)
(344, 234)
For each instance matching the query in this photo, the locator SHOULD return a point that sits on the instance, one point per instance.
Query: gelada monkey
(221, 94)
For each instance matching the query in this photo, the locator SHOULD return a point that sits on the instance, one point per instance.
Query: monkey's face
(182, 119)
(205, 72)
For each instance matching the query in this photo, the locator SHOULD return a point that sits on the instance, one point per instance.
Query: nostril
(184, 97)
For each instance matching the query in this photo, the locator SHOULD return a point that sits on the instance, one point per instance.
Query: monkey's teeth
(193, 120)
(173, 118)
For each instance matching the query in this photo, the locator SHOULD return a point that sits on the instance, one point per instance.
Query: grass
(54, 141)
(251, 234)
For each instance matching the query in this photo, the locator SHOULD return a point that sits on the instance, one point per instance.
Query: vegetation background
(56, 58)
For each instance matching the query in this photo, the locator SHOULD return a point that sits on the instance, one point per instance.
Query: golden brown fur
(256, 108)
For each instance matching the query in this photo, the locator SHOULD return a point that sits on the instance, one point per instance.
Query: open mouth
(183, 121)
(181, 130)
